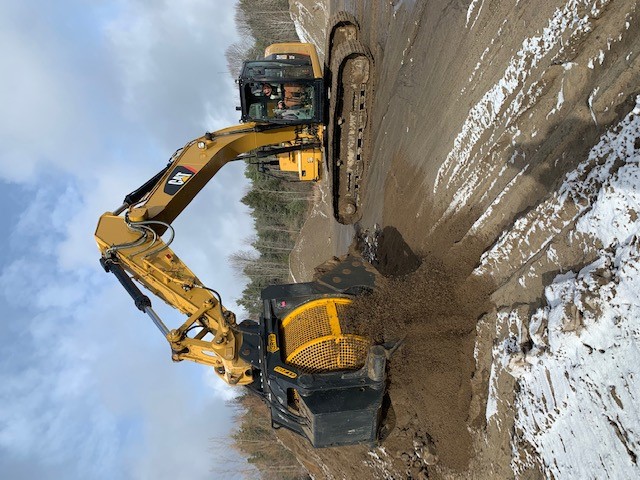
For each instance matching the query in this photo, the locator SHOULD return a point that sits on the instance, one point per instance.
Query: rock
(429, 458)
(418, 444)
(422, 474)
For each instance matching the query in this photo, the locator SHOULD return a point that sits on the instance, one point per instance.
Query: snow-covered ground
(310, 18)
(579, 375)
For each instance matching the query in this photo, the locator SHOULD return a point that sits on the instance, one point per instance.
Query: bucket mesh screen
(314, 341)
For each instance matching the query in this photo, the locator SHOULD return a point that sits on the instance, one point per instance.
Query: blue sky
(96, 95)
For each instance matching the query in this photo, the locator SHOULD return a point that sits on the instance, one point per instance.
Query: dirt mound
(394, 256)
(434, 312)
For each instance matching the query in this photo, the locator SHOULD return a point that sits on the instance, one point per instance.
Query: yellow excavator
(318, 379)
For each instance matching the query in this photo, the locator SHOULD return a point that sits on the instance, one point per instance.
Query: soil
(429, 373)
(434, 63)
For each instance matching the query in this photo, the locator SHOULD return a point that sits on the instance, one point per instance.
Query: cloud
(82, 81)
(45, 91)
(36, 107)
(49, 417)
(169, 58)
(92, 387)
(96, 97)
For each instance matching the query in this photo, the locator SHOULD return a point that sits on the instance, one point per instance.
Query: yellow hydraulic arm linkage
(132, 248)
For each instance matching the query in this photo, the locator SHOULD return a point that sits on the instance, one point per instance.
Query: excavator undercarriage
(349, 75)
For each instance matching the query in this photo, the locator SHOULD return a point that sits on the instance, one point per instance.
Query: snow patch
(577, 405)
(507, 99)
(610, 172)
(306, 19)
(381, 462)
(471, 10)
(590, 103)
(577, 402)
(479, 224)
(509, 327)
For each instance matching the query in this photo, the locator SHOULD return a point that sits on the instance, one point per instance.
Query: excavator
(318, 379)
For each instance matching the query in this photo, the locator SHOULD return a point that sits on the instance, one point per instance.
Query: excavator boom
(132, 243)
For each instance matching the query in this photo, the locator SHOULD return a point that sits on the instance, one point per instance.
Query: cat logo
(285, 372)
(180, 176)
(272, 343)
(180, 179)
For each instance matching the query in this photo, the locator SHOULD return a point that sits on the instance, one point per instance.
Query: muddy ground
(463, 145)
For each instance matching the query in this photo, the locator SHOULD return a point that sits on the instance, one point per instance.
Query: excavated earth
(481, 108)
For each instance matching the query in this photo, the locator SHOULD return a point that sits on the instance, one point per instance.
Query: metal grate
(314, 342)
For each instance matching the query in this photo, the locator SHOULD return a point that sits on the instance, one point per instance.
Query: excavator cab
(286, 87)
(282, 88)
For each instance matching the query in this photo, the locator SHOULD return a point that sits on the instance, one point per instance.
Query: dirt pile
(433, 311)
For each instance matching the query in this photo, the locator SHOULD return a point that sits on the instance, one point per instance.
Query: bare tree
(237, 53)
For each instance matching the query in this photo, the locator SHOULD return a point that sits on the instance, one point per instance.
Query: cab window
(271, 101)
(274, 69)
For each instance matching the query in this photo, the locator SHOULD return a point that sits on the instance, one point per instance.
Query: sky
(96, 96)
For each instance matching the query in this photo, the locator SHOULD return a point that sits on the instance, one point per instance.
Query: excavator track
(350, 76)
(342, 27)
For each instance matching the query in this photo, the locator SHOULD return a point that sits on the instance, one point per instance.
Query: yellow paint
(314, 340)
(285, 372)
(272, 343)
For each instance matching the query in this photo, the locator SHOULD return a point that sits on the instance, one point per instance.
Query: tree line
(259, 24)
(258, 443)
(278, 204)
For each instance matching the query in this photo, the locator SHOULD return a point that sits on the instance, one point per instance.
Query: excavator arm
(129, 239)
